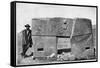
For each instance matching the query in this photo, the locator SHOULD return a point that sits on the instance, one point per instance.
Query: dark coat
(27, 38)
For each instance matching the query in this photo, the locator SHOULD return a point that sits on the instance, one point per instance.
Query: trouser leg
(25, 48)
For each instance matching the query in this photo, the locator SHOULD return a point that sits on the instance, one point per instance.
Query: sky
(25, 12)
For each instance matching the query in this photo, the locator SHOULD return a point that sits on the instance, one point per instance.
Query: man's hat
(27, 25)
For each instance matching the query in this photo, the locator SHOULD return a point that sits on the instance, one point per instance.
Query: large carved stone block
(82, 43)
(44, 46)
(52, 26)
(82, 26)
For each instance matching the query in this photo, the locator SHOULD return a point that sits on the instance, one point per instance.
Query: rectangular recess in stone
(63, 43)
(47, 43)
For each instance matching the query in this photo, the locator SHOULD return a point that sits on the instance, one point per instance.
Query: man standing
(26, 40)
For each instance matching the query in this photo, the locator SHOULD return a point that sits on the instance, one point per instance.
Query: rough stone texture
(80, 43)
(88, 54)
(61, 26)
(81, 33)
(63, 43)
(52, 26)
(82, 26)
(39, 27)
(47, 43)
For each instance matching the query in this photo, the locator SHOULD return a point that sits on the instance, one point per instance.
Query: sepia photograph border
(13, 32)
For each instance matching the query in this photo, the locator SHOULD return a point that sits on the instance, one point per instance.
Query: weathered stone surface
(63, 43)
(52, 26)
(61, 26)
(80, 30)
(82, 26)
(88, 54)
(47, 43)
(39, 27)
(80, 43)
